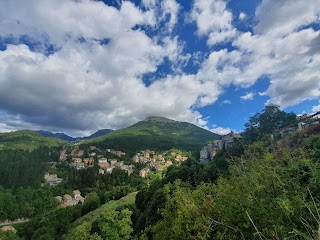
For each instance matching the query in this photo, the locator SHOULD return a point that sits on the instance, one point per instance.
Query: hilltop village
(107, 160)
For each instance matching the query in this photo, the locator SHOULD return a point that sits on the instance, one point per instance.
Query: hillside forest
(265, 186)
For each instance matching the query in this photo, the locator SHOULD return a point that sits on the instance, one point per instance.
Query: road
(6, 223)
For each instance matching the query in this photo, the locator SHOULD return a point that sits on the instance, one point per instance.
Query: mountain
(155, 133)
(27, 140)
(97, 134)
(61, 136)
(65, 137)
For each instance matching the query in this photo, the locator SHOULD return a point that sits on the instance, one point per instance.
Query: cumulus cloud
(316, 108)
(171, 8)
(86, 85)
(93, 77)
(220, 130)
(242, 16)
(226, 102)
(286, 16)
(213, 20)
(247, 96)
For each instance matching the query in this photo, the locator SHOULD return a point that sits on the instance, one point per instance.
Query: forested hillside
(261, 188)
(155, 133)
(27, 140)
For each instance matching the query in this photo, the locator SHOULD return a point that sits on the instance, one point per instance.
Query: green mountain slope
(27, 140)
(93, 215)
(155, 133)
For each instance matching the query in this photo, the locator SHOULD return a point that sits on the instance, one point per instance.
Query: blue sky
(79, 66)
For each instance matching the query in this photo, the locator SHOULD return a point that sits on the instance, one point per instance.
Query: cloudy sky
(81, 65)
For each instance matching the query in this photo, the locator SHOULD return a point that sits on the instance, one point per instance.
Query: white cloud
(242, 16)
(171, 8)
(226, 102)
(84, 85)
(213, 19)
(220, 130)
(283, 17)
(316, 108)
(248, 96)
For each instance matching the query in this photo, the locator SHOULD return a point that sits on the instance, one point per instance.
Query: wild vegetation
(27, 140)
(258, 189)
(262, 187)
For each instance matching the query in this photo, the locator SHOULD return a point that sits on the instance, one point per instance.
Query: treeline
(20, 168)
(258, 189)
(51, 222)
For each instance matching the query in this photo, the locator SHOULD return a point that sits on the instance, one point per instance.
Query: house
(146, 154)
(135, 158)
(67, 198)
(103, 165)
(76, 193)
(59, 199)
(128, 169)
(77, 196)
(71, 201)
(52, 179)
(103, 160)
(92, 154)
(8, 228)
(218, 144)
(168, 163)
(109, 169)
(113, 162)
(118, 164)
(64, 205)
(144, 172)
(80, 153)
(93, 148)
(228, 139)
(63, 155)
(79, 166)
(118, 153)
(88, 162)
(77, 160)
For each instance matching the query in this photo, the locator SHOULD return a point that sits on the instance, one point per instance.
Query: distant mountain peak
(159, 119)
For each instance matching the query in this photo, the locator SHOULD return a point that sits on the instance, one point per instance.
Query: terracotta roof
(64, 205)
(67, 196)
(76, 192)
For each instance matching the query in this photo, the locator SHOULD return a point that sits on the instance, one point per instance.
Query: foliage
(27, 140)
(270, 121)
(267, 190)
(84, 223)
(23, 168)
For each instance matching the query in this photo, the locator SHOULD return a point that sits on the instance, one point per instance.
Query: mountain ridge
(155, 132)
(68, 138)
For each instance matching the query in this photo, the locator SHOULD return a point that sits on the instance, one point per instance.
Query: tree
(92, 202)
(113, 225)
(187, 213)
(269, 121)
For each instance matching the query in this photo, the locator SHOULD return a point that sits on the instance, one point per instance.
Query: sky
(77, 66)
